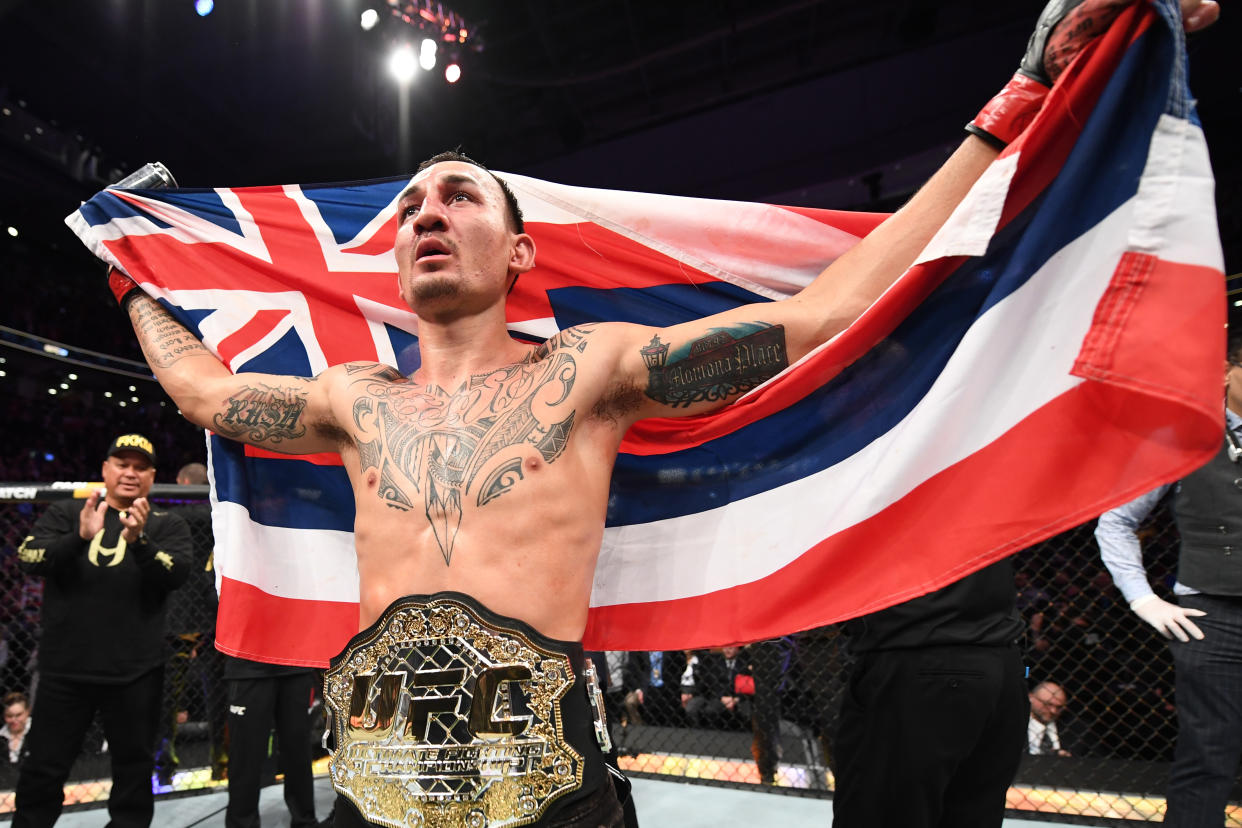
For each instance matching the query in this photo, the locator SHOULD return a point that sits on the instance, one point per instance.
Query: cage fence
(761, 716)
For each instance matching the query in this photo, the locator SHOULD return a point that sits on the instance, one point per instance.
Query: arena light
(52, 391)
(368, 20)
(133, 388)
(55, 350)
(427, 54)
(439, 27)
(64, 386)
(402, 64)
(204, 7)
(12, 231)
(108, 394)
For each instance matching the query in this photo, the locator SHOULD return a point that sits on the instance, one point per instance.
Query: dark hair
(13, 698)
(515, 212)
(1233, 351)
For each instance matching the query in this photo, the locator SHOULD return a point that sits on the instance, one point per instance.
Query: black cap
(132, 442)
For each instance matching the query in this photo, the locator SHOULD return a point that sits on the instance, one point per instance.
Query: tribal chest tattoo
(435, 450)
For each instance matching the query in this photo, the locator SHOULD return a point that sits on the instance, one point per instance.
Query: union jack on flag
(1055, 351)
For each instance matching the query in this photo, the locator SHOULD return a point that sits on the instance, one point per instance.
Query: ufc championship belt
(446, 714)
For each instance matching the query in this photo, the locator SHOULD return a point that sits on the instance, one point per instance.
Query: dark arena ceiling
(828, 103)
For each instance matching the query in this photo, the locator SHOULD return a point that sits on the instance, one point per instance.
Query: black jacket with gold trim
(103, 599)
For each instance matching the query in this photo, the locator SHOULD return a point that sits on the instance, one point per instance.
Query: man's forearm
(164, 340)
(180, 361)
(852, 283)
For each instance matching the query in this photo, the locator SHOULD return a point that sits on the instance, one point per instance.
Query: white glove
(1170, 620)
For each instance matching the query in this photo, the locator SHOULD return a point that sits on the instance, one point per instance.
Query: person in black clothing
(191, 626)
(263, 696)
(933, 725)
(653, 687)
(108, 567)
(712, 700)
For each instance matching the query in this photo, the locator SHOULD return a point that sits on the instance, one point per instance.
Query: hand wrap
(122, 287)
(1064, 28)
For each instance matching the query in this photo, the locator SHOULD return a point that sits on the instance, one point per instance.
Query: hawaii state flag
(1055, 351)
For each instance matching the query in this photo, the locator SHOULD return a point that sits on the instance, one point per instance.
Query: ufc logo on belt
(407, 703)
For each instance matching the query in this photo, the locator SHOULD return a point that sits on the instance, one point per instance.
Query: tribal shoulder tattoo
(435, 450)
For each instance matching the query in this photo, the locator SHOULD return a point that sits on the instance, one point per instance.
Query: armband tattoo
(714, 368)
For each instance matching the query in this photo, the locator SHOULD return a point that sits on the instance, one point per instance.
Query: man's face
(128, 475)
(1233, 387)
(730, 652)
(15, 716)
(455, 250)
(1047, 703)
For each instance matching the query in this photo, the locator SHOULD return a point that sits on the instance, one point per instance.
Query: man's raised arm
(291, 415)
(776, 334)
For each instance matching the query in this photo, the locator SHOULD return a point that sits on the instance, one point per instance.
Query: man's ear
(522, 258)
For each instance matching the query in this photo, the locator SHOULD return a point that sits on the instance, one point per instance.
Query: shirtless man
(481, 480)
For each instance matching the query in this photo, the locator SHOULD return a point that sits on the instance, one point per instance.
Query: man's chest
(446, 454)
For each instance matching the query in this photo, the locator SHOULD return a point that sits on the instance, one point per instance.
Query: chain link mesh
(776, 730)
(192, 749)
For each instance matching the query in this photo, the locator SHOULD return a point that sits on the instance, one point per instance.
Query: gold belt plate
(444, 720)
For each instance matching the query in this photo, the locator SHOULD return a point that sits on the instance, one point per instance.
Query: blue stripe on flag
(286, 356)
(105, 207)
(659, 306)
(204, 203)
(348, 208)
(293, 494)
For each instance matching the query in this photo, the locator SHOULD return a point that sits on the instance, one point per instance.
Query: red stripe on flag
(325, 458)
(973, 504)
(263, 627)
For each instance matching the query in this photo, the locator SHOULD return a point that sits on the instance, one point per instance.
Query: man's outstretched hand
(1089, 19)
(1063, 30)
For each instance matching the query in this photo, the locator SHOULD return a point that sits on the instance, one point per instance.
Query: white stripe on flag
(310, 564)
(674, 226)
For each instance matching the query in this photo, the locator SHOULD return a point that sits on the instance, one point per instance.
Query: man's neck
(118, 503)
(452, 352)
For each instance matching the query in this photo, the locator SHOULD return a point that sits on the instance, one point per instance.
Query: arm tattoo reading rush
(716, 367)
(263, 414)
(164, 340)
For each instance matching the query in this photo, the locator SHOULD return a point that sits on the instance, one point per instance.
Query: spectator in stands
(108, 567)
(653, 687)
(713, 699)
(192, 633)
(1204, 626)
(932, 725)
(16, 723)
(1048, 701)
